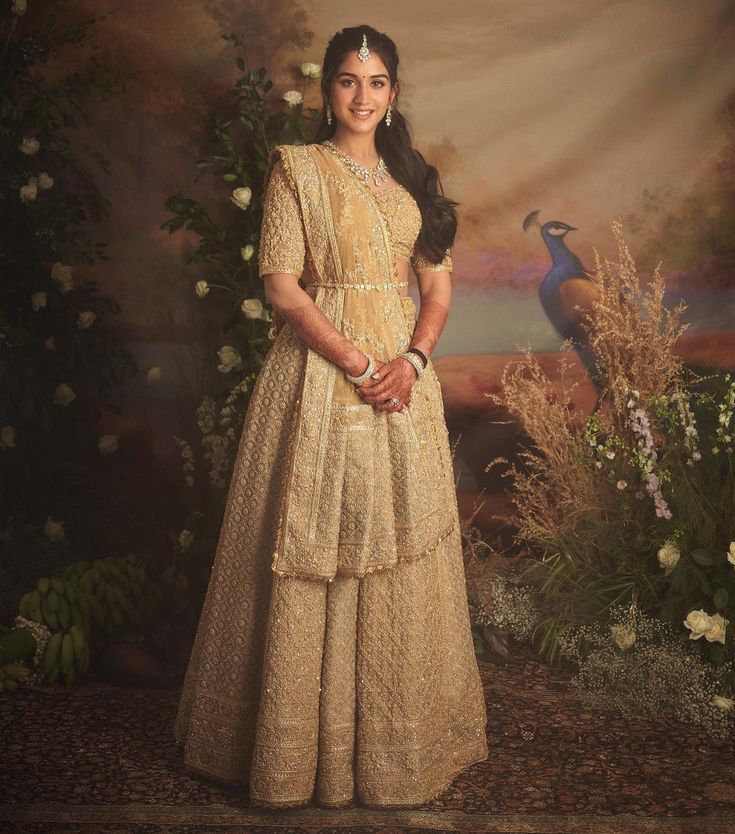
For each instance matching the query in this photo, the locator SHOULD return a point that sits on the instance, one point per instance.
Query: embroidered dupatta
(363, 489)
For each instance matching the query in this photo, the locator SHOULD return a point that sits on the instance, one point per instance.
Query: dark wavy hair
(393, 143)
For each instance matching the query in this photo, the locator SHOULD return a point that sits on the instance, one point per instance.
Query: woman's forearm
(316, 331)
(433, 314)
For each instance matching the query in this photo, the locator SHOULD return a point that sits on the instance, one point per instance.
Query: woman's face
(361, 87)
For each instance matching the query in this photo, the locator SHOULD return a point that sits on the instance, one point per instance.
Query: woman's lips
(357, 114)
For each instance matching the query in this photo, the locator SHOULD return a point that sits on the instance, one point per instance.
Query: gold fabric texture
(334, 649)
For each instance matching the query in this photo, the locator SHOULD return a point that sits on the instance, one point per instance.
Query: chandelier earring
(388, 115)
(329, 114)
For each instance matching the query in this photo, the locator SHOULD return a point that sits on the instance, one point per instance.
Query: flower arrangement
(635, 502)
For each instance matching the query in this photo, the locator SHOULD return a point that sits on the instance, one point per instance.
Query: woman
(334, 654)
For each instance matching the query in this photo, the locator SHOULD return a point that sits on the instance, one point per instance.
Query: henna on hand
(432, 318)
(316, 331)
(397, 379)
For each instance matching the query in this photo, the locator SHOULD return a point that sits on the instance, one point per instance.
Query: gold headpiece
(363, 53)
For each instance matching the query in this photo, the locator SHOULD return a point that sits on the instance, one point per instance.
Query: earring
(387, 115)
(329, 114)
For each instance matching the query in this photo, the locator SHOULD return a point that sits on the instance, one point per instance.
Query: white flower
(241, 197)
(19, 7)
(610, 454)
(252, 307)
(715, 633)
(598, 464)
(635, 393)
(49, 343)
(724, 419)
(7, 437)
(54, 530)
(44, 180)
(28, 192)
(29, 146)
(63, 394)
(292, 97)
(668, 556)
(623, 637)
(621, 484)
(309, 70)
(154, 374)
(108, 444)
(38, 300)
(229, 358)
(725, 704)
(202, 288)
(62, 274)
(186, 537)
(86, 319)
(731, 553)
(247, 252)
(697, 622)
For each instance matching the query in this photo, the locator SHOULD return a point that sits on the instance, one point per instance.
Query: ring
(394, 400)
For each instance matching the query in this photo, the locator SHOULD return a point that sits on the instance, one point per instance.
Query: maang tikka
(363, 53)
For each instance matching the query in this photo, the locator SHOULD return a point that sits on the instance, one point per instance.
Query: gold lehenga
(334, 654)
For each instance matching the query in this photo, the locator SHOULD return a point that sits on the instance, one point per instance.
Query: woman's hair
(393, 143)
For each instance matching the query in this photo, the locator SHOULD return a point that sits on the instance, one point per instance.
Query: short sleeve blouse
(282, 238)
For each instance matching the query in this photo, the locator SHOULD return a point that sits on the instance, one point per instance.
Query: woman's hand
(396, 380)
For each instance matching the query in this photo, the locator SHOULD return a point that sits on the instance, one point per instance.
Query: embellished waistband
(386, 286)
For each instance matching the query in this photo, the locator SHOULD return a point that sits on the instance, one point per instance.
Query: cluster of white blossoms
(29, 191)
(726, 408)
(710, 626)
(689, 424)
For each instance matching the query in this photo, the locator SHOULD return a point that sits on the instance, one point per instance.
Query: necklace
(379, 173)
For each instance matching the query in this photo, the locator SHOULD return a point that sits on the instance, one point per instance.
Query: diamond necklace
(379, 173)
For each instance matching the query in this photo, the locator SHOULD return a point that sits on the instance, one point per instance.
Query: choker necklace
(379, 173)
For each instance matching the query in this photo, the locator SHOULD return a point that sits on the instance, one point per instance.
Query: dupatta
(363, 489)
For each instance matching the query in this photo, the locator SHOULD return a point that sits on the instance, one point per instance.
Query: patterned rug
(101, 758)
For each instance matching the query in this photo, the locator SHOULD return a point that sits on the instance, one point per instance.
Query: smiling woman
(334, 651)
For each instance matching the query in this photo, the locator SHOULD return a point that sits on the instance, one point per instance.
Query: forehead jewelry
(363, 53)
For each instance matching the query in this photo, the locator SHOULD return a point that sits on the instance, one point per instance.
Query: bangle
(414, 360)
(420, 354)
(358, 380)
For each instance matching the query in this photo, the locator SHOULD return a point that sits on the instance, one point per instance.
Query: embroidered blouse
(282, 240)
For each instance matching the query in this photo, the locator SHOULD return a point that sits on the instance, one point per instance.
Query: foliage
(58, 358)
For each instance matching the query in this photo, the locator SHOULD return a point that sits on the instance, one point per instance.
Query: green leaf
(229, 177)
(720, 598)
(702, 557)
(716, 653)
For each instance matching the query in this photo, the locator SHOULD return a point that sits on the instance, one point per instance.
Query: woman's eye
(346, 81)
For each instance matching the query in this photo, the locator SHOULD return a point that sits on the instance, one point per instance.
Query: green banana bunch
(67, 654)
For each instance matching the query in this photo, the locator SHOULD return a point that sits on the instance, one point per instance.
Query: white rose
(38, 300)
(241, 197)
(54, 530)
(63, 394)
(623, 636)
(7, 437)
(252, 307)
(28, 192)
(309, 70)
(266, 314)
(44, 180)
(108, 444)
(725, 704)
(292, 97)
(731, 553)
(29, 146)
(186, 537)
(86, 319)
(668, 556)
(247, 252)
(202, 288)
(229, 358)
(62, 274)
(155, 374)
(697, 622)
(49, 343)
(621, 484)
(716, 631)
